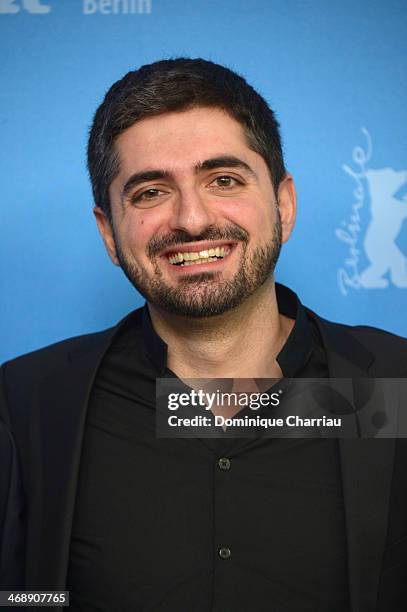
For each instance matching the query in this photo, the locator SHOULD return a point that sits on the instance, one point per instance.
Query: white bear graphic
(31, 6)
(387, 216)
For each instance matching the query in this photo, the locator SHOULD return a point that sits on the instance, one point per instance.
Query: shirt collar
(298, 347)
(292, 357)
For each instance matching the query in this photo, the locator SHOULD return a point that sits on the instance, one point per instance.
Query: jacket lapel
(366, 468)
(57, 423)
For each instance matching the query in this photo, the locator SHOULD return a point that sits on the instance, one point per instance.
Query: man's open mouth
(191, 258)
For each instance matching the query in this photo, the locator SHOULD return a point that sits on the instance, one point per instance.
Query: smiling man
(193, 221)
(193, 202)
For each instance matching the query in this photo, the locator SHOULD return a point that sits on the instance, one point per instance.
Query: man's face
(196, 226)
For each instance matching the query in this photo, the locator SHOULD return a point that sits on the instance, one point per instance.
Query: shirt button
(224, 552)
(224, 463)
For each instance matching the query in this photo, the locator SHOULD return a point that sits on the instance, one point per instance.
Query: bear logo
(387, 214)
(374, 225)
(10, 7)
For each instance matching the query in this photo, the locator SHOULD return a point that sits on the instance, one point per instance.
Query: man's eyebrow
(223, 161)
(143, 177)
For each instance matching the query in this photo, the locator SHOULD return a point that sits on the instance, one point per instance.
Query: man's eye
(226, 181)
(149, 194)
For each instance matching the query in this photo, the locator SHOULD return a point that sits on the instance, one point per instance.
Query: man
(193, 202)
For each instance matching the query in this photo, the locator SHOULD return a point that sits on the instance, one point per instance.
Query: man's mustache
(231, 233)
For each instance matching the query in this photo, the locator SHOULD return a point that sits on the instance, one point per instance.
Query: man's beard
(205, 294)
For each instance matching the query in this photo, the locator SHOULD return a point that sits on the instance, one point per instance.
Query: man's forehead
(184, 142)
(205, 127)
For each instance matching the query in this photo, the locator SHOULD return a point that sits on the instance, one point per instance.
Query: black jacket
(42, 416)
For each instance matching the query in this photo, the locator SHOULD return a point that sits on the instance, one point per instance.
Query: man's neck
(241, 343)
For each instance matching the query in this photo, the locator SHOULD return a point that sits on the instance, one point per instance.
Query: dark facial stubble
(205, 294)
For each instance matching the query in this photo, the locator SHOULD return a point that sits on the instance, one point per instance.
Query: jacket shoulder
(57, 353)
(373, 337)
(21, 377)
(388, 350)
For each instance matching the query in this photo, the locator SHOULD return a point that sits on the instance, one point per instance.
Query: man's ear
(287, 204)
(106, 232)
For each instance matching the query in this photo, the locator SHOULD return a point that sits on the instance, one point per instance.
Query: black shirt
(203, 525)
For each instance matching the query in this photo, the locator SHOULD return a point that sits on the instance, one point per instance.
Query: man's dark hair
(177, 85)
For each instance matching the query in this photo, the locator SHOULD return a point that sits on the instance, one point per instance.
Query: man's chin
(197, 300)
(198, 279)
(196, 309)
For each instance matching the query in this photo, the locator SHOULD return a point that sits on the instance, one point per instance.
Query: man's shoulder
(40, 363)
(370, 336)
(389, 349)
(58, 352)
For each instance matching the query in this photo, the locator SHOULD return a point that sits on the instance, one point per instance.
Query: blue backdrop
(335, 72)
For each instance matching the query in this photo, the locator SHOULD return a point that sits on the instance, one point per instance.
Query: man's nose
(192, 212)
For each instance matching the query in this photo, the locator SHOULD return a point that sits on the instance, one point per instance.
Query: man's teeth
(198, 257)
